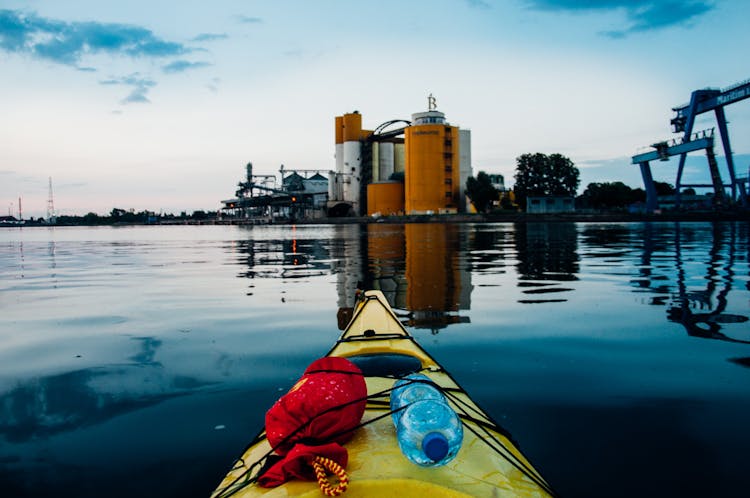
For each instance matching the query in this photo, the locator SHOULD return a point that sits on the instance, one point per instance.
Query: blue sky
(158, 105)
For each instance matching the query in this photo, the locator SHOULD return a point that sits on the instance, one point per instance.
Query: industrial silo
(432, 181)
(385, 198)
(385, 160)
(352, 157)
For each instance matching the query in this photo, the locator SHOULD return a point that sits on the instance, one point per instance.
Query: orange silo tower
(432, 171)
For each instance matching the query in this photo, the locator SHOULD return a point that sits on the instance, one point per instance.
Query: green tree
(481, 191)
(608, 195)
(664, 188)
(91, 219)
(542, 174)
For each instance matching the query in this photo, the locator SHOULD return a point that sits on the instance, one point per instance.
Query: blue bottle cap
(435, 446)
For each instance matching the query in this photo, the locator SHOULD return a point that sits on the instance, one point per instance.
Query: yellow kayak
(488, 463)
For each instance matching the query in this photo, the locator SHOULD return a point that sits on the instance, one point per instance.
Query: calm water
(140, 360)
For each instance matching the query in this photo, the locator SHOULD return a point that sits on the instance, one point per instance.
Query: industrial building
(399, 168)
(302, 194)
(379, 172)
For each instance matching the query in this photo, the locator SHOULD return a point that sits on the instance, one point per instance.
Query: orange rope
(321, 464)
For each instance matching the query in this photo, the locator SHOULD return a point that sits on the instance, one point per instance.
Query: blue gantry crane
(701, 101)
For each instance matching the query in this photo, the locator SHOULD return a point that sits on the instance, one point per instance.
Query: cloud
(213, 86)
(203, 37)
(248, 20)
(141, 87)
(180, 66)
(68, 42)
(641, 15)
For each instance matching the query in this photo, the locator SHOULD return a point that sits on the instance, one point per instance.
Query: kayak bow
(488, 463)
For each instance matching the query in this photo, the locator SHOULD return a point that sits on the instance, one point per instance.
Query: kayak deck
(488, 463)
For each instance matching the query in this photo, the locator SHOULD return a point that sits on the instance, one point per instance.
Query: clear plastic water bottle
(428, 430)
(413, 387)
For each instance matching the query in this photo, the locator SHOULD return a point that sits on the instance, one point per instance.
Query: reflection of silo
(385, 160)
(432, 181)
(347, 257)
(432, 270)
(352, 157)
(385, 251)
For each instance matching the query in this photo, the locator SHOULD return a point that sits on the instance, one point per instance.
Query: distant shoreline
(670, 216)
(535, 218)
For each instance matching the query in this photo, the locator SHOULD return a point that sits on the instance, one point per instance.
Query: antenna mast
(51, 205)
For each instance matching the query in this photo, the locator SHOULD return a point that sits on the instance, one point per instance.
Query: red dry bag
(314, 418)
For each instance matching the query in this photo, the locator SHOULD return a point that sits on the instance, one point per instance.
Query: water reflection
(418, 268)
(434, 285)
(700, 309)
(547, 257)
(282, 258)
(45, 406)
(426, 270)
(206, 356)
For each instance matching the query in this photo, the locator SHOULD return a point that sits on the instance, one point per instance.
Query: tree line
(542, 175)
(129, 217)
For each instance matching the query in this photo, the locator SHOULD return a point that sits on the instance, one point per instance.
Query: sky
(158, 105)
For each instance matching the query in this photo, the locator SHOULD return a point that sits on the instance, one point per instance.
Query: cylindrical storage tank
(339, 158)
(339, 144)
(339, 129)
(399, 158)
(331, 185)
(464, 152)
(375, 161)
(352, 159)
(432, 169)
(386, 198)
(385, 160)
(352, 127)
